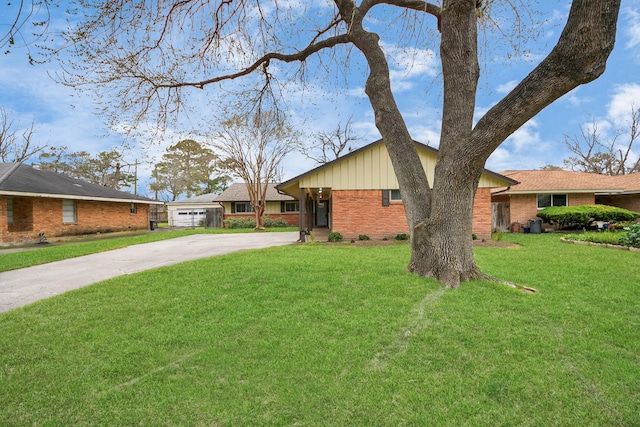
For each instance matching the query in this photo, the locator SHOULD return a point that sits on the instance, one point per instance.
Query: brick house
(34, 201)
(358, 194)
(537, 189)
(236, 204)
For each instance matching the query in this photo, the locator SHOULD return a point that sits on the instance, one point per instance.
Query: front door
(322, 213)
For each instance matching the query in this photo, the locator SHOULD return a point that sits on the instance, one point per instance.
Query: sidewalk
(27, 285)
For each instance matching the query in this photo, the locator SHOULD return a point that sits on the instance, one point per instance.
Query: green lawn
(35, 255)
(320, 335)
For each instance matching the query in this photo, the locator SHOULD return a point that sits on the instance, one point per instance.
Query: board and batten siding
(372, 169)
(271, 208)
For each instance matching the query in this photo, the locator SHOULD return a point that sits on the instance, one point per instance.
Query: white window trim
(9, 210)
(72, 203)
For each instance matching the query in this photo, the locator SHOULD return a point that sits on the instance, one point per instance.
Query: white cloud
(409, 64)
(625, 97)
(507, 87)
(525, 149)
(632, 29)
(573, 99)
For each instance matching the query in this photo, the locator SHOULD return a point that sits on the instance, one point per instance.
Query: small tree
(186, 168)
(253, 146)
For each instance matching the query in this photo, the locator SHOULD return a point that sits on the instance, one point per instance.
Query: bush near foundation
(268, 222)
(584, 215)
(633, 236)
(334, 237)
(240, 223)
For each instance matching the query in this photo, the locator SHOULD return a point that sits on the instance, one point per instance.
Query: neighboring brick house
(358, 194)
(34, 201)
(537, 189)
(236, 203)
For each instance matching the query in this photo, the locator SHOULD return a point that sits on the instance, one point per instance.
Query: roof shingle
(562, 180)
(20, 178)
(238, 192)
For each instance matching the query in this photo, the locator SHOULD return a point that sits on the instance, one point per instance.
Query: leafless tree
(331, 145)
(594, 152)
(16, 145)
(252, 148)
(134, 50)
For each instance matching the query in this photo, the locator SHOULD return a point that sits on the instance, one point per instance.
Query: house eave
(77, 197)
(598, 192)
(292, 183)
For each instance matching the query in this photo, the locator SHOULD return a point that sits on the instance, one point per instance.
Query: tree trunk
(259, 211)
(443, 246)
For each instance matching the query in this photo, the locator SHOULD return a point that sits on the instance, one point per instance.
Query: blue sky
(65, 118)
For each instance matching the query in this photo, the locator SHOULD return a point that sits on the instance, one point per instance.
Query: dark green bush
(585, 214)
(363, 237)
(402, 236)
(334, 236)
(633, 236)
(240, 222)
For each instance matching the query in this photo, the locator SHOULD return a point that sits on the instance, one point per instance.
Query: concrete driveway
(27, 285)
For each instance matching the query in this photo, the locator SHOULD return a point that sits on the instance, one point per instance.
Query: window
(69, 211)
(546, 200)
(10, 211)
(390, 195)
(133, 208)
(241, 207)
(290, 206)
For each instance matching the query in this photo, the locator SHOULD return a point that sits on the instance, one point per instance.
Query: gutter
(75, 197)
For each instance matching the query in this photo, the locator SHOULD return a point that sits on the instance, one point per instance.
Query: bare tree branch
(331, 145)
(594, 153)
(16, 145)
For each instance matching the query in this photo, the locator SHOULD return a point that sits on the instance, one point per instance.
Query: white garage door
(188, 217)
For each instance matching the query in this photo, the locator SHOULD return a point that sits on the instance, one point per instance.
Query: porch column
(302, 202)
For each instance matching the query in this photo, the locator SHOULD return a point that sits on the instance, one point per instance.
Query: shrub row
(585, 214)
(246, 222)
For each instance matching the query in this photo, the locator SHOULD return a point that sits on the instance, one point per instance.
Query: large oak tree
(147, 53)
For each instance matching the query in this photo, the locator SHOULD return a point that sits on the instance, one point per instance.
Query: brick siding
(524, 207)
(356, 212)
(34, 215)
(482, 213)
(627, 201)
